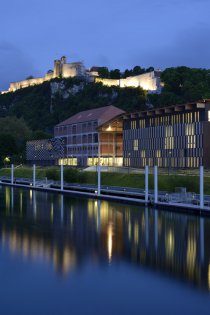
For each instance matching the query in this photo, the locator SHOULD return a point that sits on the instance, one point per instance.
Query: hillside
(45, 105)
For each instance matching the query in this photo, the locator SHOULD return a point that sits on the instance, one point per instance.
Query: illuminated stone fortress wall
(61, 69)
(148, 81)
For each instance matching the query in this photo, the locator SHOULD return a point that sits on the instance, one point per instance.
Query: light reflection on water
(65, 232)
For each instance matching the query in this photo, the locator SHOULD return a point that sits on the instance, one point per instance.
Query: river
(64, 255)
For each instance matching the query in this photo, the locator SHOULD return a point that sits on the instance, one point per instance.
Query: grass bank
(165, 182)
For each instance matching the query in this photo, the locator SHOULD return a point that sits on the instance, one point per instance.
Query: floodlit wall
(147, 81)
(26, 83)
(108, 82)
(61, 68)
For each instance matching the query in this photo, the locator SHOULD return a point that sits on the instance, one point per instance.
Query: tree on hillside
(8, 147)
(103, 72)
(39, 134)
(115, 74)
(17, 129)
(181, 85)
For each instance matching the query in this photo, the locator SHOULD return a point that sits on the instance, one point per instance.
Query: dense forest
(32, 112)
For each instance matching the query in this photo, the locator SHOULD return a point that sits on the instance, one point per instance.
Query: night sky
(113, 33)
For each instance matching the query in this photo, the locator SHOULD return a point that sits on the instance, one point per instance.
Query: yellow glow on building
(147, 81)
(108, 82)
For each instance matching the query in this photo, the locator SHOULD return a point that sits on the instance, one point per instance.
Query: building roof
(101, 114)
(168, 110)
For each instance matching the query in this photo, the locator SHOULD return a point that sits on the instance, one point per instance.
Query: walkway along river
(192, 203)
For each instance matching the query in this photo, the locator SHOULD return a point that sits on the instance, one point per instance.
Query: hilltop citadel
(148, 81)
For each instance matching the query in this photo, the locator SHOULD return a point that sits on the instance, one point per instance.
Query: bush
(82, 177)
(52, 173)
(71, 175)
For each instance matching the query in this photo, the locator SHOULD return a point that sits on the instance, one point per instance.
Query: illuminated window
(158, 154)
(208, 115)
(142, 123)
(169, 139)
(133, 124)
(135, 145)
(190, 135)
(143, 154)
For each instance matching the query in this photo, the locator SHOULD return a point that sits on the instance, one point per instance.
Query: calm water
(60, 255)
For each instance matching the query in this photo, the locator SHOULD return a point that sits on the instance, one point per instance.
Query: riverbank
(165, 182)
(124, 196)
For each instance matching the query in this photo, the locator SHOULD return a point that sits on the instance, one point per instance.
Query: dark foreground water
(60, 255)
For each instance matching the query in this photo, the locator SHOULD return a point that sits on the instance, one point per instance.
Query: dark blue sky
(113, 33)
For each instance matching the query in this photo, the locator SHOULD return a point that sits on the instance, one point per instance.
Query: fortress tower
(57, 69)
(62, 69)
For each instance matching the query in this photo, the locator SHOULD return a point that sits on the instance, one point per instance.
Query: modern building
(45, 152)
(92, 133)
(175, 136)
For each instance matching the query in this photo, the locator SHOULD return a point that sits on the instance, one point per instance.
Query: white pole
(146, 183)
(61, 176)
(12, 174)
(201, 188)
(99, 179)
(156, 184)
(34, 175)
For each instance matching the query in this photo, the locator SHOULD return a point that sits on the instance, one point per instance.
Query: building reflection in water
(66, 232)
(109, 241)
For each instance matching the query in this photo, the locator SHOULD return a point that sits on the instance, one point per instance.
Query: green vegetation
(31, 113)
(181, 85)
(42, 110)
(71, 175)
(13, 135)
(104, 72)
